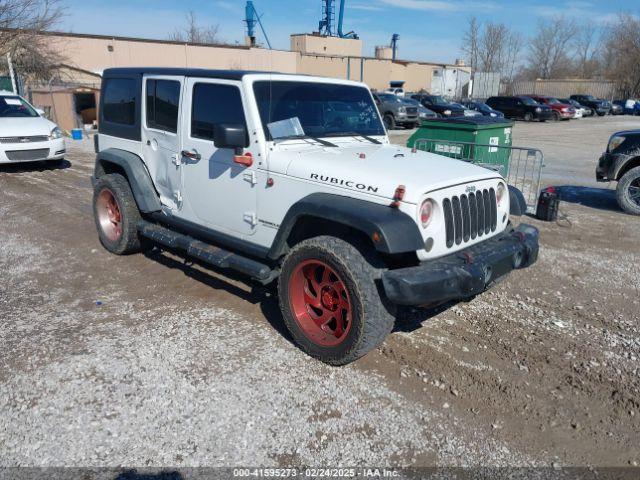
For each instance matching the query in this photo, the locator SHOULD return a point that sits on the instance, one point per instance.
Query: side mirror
(40, 112)
(230, 136)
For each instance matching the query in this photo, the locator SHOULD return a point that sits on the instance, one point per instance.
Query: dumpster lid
(469, 120)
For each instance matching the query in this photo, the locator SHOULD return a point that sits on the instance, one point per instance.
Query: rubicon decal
(344, 183)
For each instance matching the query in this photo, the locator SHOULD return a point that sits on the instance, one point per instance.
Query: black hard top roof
(185, 72)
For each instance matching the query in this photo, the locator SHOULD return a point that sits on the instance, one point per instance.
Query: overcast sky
(429, 30)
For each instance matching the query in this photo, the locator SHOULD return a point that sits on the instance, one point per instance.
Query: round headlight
(447, 112)
(538, 109)
(500, 191)
(426, 213)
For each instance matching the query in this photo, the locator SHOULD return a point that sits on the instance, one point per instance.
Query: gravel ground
(143, 360)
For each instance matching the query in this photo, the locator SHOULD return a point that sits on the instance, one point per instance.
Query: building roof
(185, 72)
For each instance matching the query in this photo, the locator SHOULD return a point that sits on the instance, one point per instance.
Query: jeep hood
(377, 169)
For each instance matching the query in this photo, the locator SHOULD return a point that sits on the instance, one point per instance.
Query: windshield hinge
(250, 177)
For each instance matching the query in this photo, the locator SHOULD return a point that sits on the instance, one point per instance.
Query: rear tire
(116, 215)
(628, 192)
(330, 300)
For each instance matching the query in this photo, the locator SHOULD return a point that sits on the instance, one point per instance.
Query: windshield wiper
(355, 134)
(302, 137)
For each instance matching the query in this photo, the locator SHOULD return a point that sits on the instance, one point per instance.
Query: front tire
(116, 215)
(330, 299)
(389, 121)
(556, 117)
(628, 192)
(528, 117)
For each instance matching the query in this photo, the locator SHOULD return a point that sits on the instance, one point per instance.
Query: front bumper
(465, 273)
(32, 151)
(543, 115)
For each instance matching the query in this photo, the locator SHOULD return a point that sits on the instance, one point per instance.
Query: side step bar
(205, 252)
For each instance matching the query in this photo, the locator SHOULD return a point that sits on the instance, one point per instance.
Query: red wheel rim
(320, 303)
(109, 215)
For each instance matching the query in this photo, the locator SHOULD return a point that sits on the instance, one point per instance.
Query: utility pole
(11, 74)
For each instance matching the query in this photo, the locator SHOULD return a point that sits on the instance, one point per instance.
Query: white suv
(292, 179)
(25, 135)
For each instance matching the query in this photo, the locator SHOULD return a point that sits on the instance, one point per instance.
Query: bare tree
(21, 24)
(622, 54)
(470, 43)
(550, 50)
(492, 47)
(193, 33)
(587, 49)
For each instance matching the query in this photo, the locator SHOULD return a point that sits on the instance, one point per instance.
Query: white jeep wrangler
(292, 178)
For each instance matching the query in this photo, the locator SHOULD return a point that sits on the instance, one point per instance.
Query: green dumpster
(482, 140)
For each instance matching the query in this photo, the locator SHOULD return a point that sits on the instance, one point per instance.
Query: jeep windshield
(323, 109)
(15, 107)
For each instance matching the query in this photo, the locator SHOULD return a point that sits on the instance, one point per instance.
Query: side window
(213, 105)
(119, 101)
(163, 98)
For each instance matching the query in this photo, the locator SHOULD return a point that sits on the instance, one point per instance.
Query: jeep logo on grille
(470, 189)
(24, 140)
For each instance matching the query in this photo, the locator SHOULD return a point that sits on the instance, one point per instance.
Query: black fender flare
(625, 163)
(517, 203)
(137, 174)
(396, 231)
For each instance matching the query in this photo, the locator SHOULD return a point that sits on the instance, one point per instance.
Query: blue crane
(326, 25)
(251, 18)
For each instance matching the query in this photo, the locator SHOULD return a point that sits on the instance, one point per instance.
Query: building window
(163, 97)
(214, 105)
(119, 102)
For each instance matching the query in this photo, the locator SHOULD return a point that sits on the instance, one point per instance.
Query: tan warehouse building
(87, 56)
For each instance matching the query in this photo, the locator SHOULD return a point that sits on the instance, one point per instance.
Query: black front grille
(470, 216)
(39, 154)
(412, 110)
(29, 139)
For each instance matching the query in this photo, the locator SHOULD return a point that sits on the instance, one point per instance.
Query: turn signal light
(398, 196)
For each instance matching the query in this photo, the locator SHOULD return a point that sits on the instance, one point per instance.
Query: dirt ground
(144, 360)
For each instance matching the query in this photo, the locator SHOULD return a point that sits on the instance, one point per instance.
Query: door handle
(192, 154)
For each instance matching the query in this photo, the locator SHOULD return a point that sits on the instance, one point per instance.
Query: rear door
(162, 96)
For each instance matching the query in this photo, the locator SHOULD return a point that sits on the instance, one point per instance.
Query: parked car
(252, 177)
(396, 91)
(617, 109)
(396, 111)
(524, 108)
(630, 106)
(483, 108)
(598, 105)
(423, 112)
(25, 135)
(584, 111)
(438, 104)
(561, 111)
(621, 163)
(466, 112)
